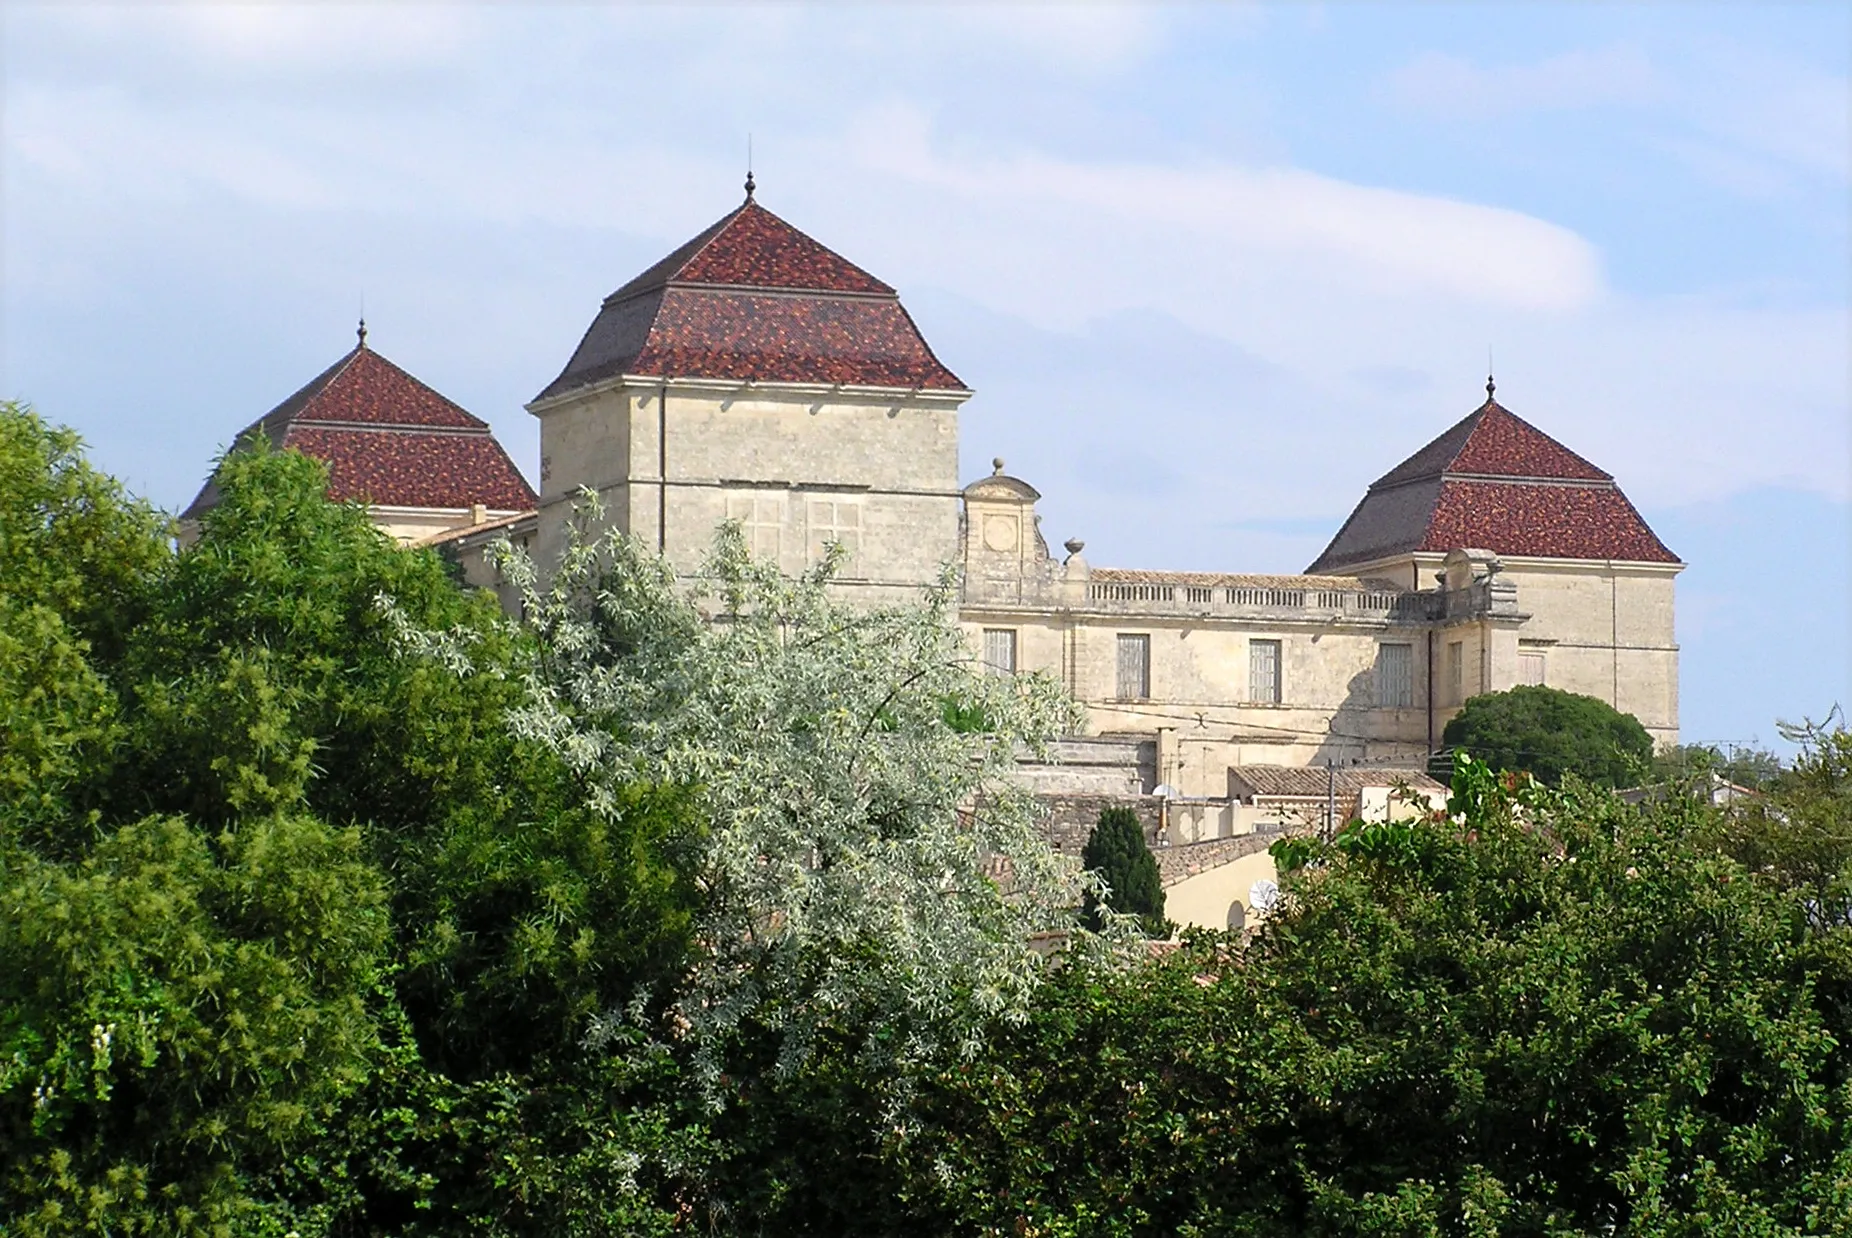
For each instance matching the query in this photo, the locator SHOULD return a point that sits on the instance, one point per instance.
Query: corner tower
(421, 463)
(1495, 496)
(755, 375)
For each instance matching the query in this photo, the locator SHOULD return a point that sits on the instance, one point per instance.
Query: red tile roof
(398, 468)
(1494, 481)
(1555, 522)
(390, 440)
(756, 249)
(753, 299)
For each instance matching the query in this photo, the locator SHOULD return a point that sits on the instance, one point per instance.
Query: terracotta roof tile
(401, 468)
(757, 249)
(753, 299)
(1559, 522)
(1495, 481)
(790, 339)
(1493, 441)
(391, 439)
(1310, 781)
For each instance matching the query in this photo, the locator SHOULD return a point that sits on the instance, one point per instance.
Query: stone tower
(755, 375)
(1494, 496)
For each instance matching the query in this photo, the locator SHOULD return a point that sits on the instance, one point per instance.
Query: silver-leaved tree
(866, 861)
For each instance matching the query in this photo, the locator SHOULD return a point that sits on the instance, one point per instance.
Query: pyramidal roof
(390, 440)
(1493, 481)
(753, 299)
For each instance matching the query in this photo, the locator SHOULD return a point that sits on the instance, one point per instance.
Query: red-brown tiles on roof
(1554, 505)
(1503, 444)
(419, 450)
(1558, 522)
(697, 314)
(757, 249)
(789, 339)
(371, 389)
(404, 468)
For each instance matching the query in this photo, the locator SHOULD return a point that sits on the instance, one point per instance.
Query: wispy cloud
(1451, 86)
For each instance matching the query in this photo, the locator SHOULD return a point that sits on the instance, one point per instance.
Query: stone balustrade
(1257, 601)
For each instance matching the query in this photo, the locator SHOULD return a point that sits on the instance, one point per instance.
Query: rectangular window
(761, 519)
(1456, 672)
(1134, 667)
(1395, 676)
(833, 520)
(1000, 651)
(1530, 668)
(1264, 672)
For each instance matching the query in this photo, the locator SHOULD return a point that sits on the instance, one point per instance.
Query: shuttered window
(1456, 672)
(762, 521)
(1530, 668)
(833, 520)
(1395, 676)
(1134, 666)
(1264, 672)
(1000, 651)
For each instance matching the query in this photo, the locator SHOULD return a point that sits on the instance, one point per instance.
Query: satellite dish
(1264, 895)
(1165, 791)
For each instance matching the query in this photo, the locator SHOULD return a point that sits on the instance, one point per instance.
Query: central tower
(755, 375)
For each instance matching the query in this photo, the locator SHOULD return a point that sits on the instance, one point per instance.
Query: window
(1456, 671)
(833, 520)
(1134, 667)
(762, 520)
(1000, 651)
(1264, 672)
(1530, 668)
(1395, 676)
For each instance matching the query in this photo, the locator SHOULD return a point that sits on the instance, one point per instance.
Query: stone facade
(797, 467)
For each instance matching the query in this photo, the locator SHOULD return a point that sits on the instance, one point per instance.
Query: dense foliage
(334, 903)
(1117, 851)
(1546, 1015)
(1547, 733)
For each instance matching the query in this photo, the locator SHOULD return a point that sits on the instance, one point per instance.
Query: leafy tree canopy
(1537, 1014)
(1548, 733)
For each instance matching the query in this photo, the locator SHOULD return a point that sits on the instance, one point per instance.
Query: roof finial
(362, 332)
(749, 182)
(1490, 386)
(996, 466)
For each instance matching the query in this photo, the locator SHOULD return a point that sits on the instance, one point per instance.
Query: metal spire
(362, 332)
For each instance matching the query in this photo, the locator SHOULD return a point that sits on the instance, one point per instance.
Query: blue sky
(1211, 268)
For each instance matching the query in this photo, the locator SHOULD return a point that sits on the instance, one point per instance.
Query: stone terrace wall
(1180, 863)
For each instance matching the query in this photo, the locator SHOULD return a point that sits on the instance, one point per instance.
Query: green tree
(1540, 1014)
(860, 916)
(1754, 769)
(77, 554)
(1132, 886)
(1547, 732)
(295, 932)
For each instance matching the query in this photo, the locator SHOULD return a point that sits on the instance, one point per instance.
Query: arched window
(1237, 915)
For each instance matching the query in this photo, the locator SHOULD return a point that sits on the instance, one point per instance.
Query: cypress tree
(1117, 851)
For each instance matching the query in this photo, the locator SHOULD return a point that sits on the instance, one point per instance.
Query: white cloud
(1450, 86)
(1364, 309)
(1207, 225)
(272, 36)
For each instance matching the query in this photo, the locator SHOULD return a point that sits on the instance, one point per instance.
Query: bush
(1547, 733)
